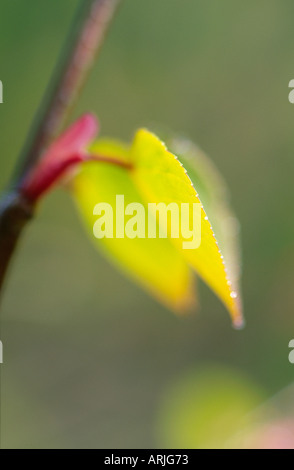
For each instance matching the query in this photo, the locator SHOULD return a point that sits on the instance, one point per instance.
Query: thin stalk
(84, 41)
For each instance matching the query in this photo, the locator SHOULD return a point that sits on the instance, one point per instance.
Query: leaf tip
(239, 323)
(237, 314)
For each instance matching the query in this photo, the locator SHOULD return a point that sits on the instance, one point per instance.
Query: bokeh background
(90, 360)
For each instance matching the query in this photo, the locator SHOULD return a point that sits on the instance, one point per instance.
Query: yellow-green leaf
(148, 173)
(162, 178)
(154, 263)
(213, 193)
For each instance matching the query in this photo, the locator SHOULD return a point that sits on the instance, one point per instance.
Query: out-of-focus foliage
(205, 408)
(215, 407)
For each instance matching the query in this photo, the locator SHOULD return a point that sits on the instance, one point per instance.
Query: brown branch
(85, 40)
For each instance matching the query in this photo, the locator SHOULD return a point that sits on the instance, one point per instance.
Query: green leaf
(148, 173)
(154, 263)
(214, 195)
(162, 178)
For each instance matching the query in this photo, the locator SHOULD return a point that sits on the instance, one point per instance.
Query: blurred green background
(90, 360)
